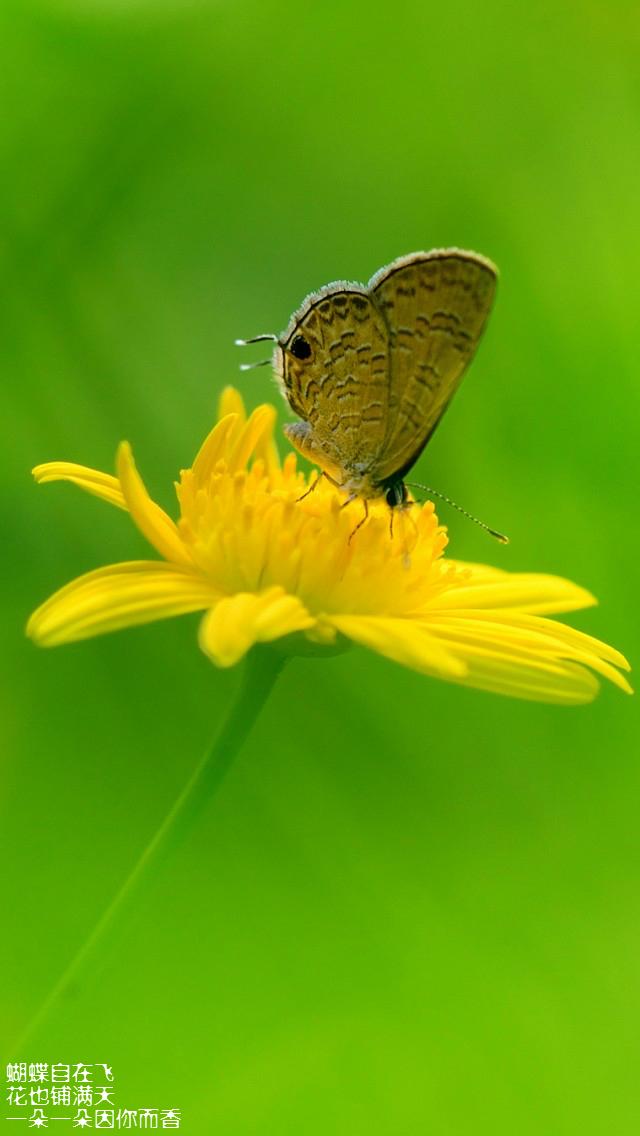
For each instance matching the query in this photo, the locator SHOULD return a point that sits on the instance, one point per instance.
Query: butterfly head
(395, 494)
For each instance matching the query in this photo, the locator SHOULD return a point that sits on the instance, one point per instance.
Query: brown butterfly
(370, 370)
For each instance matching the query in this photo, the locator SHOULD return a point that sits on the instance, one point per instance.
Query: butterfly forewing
(341, 387)
(435, 306)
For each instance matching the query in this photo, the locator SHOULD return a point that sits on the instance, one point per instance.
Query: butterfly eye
(300, 347)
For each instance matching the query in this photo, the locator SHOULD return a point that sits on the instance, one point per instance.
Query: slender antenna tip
(252, 366)
(500, 536)
(256, 339)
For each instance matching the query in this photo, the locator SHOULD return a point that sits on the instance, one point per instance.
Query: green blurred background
(413, 908)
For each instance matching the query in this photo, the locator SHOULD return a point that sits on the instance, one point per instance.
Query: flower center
(250, 530)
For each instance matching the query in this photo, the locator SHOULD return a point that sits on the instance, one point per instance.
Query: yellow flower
(265, 565)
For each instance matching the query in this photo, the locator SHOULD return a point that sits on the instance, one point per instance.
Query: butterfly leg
(352, 497)
(301, 436)
(405, 507)
(360, 523)
(398, 506)
(401, 509)
(327, 476)
(311, 487)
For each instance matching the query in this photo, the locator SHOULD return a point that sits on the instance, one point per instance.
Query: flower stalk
(261, 670)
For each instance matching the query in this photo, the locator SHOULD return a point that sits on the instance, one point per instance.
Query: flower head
(265, 562)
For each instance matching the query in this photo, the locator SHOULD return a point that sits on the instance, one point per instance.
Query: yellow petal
(230, 402)
(235, 438)
(152, 521)
(403, 640)
(267, 451)
(567, 684)
(487, 570)
(237, 622)
(92, 480)
(514, 649)
(522, 591)
(573, 638)
(214, 448)
(258, 427)
(118, 596)
(531, 637)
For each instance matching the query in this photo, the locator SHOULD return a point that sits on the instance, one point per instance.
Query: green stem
(262, 668)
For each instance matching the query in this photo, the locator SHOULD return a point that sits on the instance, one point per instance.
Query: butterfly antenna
(256, 339)
(434, 493)
(252, 366)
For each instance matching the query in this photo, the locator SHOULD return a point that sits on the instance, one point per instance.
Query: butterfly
(370, 370)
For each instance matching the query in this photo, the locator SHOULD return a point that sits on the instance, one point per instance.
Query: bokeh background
(413, 908)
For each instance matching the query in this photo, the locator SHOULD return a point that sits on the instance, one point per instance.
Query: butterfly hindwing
(435, 305)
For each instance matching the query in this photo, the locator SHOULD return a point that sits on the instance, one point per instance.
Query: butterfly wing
(435, 305)
(333, 365)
